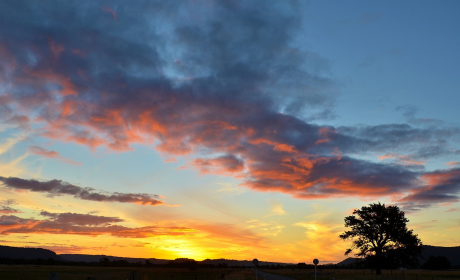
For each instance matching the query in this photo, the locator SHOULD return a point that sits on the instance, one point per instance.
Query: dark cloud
(58, 187)
(221, 82)
(8, 210)
(5, 206)
(82, 224)
(441, 186)
(80, 219)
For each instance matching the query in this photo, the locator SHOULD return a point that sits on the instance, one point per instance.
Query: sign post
(255, 262)
(315, 261)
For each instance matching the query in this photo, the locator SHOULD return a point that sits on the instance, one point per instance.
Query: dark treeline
(433, 263)
(191, 264)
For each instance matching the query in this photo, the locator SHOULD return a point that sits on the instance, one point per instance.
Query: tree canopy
(380, 234)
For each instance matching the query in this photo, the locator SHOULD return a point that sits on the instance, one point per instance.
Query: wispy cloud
(276, 208)
(10, 142)
(5, 206)
(51, 154)
(265, 228)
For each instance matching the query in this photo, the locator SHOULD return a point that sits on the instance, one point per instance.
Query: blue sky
(210, 129)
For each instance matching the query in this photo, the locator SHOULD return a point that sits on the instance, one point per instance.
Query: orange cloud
(326, 134)
(78, 224)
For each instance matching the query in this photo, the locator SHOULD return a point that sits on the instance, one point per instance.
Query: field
(28, 272)
(351, 274)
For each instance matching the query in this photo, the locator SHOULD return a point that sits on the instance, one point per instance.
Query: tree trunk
(378, 260)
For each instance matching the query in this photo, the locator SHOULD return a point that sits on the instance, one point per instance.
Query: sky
(225, 129)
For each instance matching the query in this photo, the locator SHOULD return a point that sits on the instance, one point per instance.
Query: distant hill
(347, 261)
(96, 258)
(451, 253)
(27, 253)
(39, 253)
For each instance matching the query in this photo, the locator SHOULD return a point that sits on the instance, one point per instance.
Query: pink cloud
(402, 159)
(109, 10)
(51, 154)
(55, 48)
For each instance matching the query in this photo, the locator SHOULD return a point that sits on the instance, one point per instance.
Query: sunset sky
(225, 129)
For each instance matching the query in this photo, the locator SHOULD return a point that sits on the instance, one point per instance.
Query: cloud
(80, 219)
(265, 228)
(109, 10)
(8, 210)
(276, 207)
(402, 159)
(224, 84)
(441, 186)
(5, 206)
(83, 224)
(51, 154)
(230, 189)
(10, 142)
(9, 202)
(224, 164)
(58, 187)
(321, 237)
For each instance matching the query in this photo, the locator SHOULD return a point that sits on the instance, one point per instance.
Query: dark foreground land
(352, 274)
(35, 272)
(27, 272)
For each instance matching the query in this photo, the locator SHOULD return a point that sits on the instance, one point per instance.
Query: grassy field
(28, 272)
(351, 274)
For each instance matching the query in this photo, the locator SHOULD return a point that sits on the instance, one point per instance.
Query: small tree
(379, 233)
(437, 263)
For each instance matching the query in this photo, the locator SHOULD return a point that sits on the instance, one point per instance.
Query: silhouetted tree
(379, 233)
(104, 262)
(302, 266)
(436, 263)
